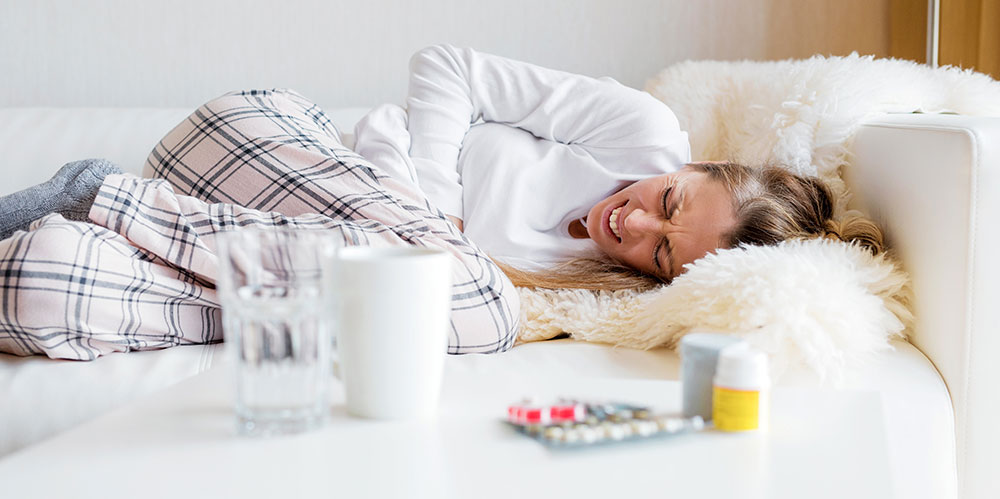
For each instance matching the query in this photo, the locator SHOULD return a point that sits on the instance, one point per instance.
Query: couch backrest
(37, 141)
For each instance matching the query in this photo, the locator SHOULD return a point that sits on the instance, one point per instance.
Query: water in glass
(282, 342)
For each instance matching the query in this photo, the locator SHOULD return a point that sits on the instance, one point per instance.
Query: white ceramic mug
(394, 309)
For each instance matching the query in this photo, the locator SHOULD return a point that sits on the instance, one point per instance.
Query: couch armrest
(933, 182)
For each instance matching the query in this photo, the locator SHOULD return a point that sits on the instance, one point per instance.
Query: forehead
(706, 213)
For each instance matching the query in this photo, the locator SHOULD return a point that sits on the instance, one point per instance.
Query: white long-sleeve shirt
(518, 151)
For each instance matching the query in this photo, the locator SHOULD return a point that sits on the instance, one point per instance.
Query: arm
(383, 139)
(452, 88)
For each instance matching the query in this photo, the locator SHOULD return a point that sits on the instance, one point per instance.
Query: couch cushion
(42, 396)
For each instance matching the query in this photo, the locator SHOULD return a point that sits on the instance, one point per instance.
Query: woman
(567, 181)
(523, 157)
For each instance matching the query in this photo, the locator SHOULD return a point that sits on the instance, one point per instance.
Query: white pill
(617, 432)
(697, 423)
(571, 436)
(645, 428)
(604, 430)
(674, 425)
(554, 433)
(627, 429)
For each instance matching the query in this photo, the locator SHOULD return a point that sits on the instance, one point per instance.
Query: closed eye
(663, 200)
(664, 247)
(672, 202)
(664, 242)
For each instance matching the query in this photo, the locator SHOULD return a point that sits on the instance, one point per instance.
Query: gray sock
(70, 193)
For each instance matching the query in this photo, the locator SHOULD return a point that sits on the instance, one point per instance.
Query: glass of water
(276, 307)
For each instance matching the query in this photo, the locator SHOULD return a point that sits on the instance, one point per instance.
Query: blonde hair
(582, 273)
(771, 205)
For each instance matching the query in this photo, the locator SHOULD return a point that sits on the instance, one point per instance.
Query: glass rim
(365, 253)
(277, 229)
(238, 234)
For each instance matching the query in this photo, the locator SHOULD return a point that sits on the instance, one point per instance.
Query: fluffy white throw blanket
(802, 114)
(820, 303)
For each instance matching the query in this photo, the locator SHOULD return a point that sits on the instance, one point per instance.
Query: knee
(268, 102)
(495, 322)
(264, 98)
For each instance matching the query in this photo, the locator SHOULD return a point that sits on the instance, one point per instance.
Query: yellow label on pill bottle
(740, 389)
(735, 410)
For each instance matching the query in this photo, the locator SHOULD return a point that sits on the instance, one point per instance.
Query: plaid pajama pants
(141, 276)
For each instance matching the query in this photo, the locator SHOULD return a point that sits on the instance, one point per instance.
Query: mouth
(612, 224)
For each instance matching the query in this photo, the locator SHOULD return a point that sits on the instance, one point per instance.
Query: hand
(457, 221)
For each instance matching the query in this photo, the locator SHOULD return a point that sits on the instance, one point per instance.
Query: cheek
(639, 256)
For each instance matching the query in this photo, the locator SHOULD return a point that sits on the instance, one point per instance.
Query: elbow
(660, 115)
(427, 55)
(435, 56)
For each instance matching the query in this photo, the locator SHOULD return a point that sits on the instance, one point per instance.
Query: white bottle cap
(741, 367)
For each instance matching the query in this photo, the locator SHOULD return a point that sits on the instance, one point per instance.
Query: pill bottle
(741, 391)
(699, 355)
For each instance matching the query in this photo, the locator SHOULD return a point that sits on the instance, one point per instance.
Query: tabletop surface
(182, 442)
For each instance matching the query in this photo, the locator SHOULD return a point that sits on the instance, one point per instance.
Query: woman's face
(659, 224)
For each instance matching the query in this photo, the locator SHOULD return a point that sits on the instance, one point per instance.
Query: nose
(640, 222)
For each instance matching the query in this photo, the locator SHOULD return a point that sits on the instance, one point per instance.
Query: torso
(524, 197)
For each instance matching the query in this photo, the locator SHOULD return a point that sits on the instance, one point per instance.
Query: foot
(70, 193)
(77, 184)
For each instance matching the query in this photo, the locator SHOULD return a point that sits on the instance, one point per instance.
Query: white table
(182, 443)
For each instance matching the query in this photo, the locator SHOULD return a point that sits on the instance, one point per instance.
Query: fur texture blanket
(819, 303)
(802, 114)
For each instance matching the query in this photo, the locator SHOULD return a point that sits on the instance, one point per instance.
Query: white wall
(354, 52)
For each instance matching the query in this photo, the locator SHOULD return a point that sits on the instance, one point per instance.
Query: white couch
(932, 180)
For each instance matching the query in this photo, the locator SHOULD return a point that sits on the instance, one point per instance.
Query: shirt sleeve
(382, 138)
(451, 88)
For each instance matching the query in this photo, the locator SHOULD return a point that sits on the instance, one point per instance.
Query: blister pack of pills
(570, 423)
